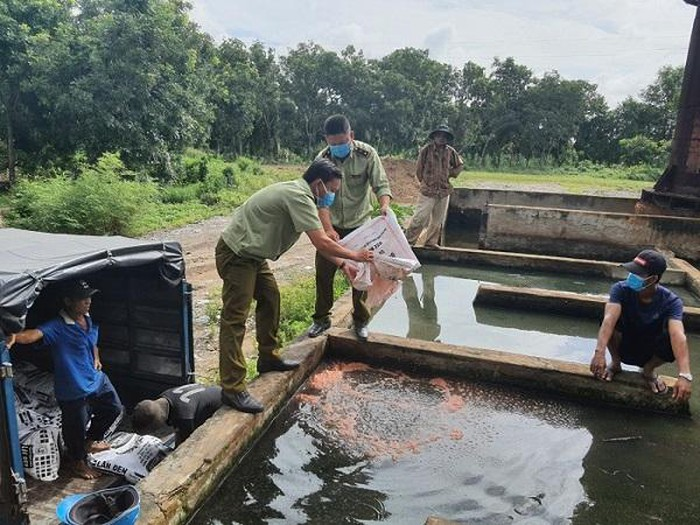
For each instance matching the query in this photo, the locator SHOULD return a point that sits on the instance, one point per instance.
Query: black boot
(242, 401)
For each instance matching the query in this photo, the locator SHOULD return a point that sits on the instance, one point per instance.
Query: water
(364, 445)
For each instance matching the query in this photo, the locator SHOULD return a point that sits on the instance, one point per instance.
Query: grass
(569, 183)
(297, 307)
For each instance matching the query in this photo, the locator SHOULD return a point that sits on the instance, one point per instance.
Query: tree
(236, 98)
(129, 76)
(24, 25)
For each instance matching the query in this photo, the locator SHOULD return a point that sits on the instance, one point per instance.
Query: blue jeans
(100, 409)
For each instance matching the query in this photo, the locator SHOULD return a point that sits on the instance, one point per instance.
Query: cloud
(619, 45)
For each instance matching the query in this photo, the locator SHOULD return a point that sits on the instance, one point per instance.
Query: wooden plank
(571, 380)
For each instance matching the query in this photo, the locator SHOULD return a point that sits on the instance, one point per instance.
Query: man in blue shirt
(83, 391)
(643, 326)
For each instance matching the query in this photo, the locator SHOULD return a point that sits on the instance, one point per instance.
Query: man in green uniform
(265, 227)
(362, 171)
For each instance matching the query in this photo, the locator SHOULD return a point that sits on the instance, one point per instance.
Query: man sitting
(184, 407)
(643, 326)
(84, 393)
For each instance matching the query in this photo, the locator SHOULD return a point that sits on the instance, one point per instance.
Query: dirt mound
(402, 179)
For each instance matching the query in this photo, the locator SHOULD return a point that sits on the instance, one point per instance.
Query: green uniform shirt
(271, 220)
(362, 170)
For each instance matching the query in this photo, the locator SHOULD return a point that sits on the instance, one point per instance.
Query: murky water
(364, 445)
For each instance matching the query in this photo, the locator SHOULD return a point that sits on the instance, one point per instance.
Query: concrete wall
(573, 380)
(466, 205)
(546, 263)
(586, 234)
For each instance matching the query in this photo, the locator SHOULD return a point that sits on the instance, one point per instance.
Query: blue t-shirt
(72, 350)
(640, 320)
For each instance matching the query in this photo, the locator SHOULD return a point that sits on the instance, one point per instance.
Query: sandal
(656, 384)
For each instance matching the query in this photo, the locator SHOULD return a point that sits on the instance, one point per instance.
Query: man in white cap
(643, 326)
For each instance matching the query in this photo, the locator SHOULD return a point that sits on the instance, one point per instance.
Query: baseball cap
(646, 263)
(79, 289)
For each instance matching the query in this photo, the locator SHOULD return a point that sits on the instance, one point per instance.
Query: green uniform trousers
(325, 274)
(245, 280)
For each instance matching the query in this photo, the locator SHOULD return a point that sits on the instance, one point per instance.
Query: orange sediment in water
(380, 413)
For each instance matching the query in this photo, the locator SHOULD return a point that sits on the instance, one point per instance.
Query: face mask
(340, 151)
(635, 282)
(327, 199)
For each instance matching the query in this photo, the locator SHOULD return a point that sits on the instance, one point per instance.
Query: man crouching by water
(643, 326)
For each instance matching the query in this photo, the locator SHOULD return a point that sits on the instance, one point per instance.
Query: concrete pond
(471, 403)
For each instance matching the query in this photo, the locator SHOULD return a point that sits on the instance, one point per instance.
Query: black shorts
(638, 351)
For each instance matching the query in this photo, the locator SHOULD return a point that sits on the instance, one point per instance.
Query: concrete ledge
(545, 263)
(464, 199)
(590, 234)
(567, 303)
(571, 380)
(181, 483)
(692, 281)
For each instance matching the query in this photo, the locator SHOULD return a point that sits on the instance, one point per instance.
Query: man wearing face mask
(643, 326)
(437, 163)
(351, 208)
(264, 227)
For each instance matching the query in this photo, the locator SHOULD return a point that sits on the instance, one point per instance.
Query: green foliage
(140, 78)
(640, 150)
(298, 301)
(297, 307)
(96, 202)
(172, 194)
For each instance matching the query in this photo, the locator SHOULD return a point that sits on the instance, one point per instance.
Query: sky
(619, 45)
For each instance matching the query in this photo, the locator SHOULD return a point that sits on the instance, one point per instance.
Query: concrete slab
(563, 303)
(545, 263)
(179, 484)
(692, 281)
(571, 380)
(589, 234)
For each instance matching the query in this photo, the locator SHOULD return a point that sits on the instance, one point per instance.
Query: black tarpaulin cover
(29, 261)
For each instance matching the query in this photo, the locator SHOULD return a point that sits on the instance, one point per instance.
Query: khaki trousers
(430, 212)
(245, 280)
(325, 274)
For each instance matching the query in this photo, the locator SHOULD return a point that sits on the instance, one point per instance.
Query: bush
(179, 194)
(96, 202)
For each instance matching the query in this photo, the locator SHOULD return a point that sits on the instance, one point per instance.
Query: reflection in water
(447, 311)
(422, 313)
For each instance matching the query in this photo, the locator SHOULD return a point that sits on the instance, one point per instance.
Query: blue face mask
(636, 282)
(326, 200)
(340, 151)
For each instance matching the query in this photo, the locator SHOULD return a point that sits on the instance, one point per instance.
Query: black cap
(79, 290)
(646, 263)
(442, 128)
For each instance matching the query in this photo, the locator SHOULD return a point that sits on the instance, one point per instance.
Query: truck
(143, 309)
